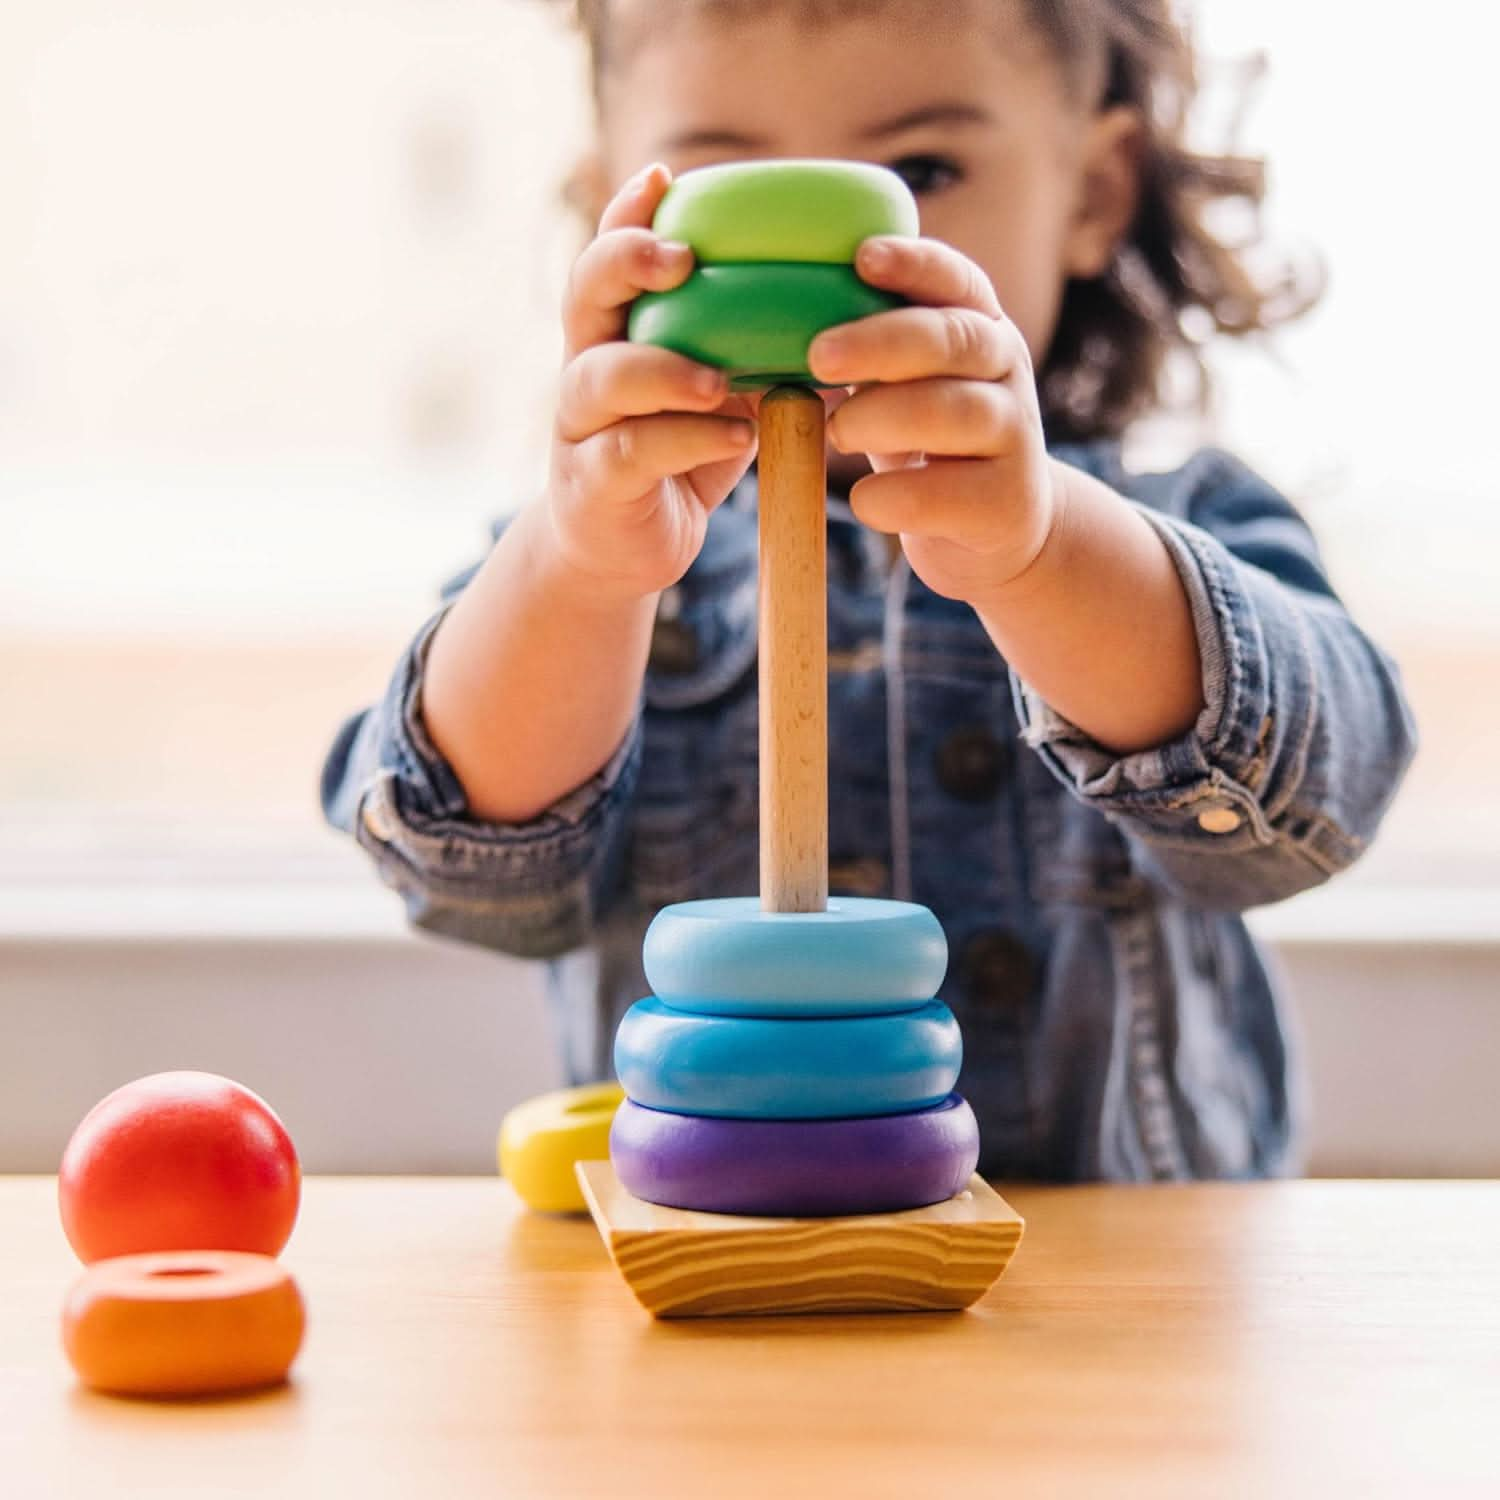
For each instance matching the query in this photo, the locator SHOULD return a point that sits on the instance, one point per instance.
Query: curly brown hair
(1175, 281)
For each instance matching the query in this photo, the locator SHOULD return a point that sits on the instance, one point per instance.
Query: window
(277, 336)
(270, 348)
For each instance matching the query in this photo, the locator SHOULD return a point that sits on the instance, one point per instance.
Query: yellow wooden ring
(542, 1138)
(183, 1323)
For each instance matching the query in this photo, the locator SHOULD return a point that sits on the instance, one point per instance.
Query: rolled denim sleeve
(1305, 733)
(533, 889)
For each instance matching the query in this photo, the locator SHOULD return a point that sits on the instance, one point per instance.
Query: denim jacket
(1119, 1021)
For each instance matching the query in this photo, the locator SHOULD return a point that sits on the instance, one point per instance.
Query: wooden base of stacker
(682, 1264)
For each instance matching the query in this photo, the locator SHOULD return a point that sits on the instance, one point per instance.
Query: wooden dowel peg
(793, 652)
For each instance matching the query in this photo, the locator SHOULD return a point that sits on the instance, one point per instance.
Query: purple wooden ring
(796, 1168)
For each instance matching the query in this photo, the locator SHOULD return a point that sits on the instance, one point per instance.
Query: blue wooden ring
(727, 957)
(743, 1067)
(796, 1168)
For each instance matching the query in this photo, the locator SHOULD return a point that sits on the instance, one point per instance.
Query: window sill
(356, 909)
(267, 978)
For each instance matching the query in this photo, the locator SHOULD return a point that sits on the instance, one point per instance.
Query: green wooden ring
(755, 321)
(797, 209)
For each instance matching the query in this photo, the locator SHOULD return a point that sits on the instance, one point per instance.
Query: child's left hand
(951, 422)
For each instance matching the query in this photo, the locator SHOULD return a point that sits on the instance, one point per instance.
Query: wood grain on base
(682, 1264)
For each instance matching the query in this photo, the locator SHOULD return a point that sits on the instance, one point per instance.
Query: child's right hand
(647, 442)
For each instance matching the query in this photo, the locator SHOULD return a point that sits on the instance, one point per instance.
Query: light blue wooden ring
(764, 1068)
(862, 956)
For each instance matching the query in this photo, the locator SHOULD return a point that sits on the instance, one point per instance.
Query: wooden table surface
(1313, 1338)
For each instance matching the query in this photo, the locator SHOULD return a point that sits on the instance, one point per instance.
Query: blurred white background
(271, 330)
(278, 292)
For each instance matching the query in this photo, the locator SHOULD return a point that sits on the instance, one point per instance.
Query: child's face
(1009, 176)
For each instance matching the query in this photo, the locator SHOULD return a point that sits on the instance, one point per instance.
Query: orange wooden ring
(183, 1323)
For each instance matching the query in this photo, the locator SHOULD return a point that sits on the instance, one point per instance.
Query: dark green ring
(755, 320)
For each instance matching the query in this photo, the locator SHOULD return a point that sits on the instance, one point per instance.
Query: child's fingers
(610, 273)
(615, 380)
(914, 343)
(630, 457)
(624, 259)
(926, 270)
(961, 418)
(951, 498)
(635, 200)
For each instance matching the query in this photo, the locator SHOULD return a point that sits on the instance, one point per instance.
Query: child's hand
(952, 428)
(646, 441)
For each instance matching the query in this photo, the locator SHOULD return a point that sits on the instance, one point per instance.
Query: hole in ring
(183, 1271)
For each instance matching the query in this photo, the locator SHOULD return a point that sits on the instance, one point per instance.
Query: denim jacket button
(674, 648)
(858, 877)
(1219, 820)
(996, 968)
(970, 764)
(377, 819)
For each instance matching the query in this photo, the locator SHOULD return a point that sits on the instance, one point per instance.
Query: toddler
(1087, 715)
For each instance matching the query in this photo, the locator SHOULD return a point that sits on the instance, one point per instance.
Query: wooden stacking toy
(542, 1138)
(178, 1191)
(790, 1139)
(773, 244)
(183, 1323)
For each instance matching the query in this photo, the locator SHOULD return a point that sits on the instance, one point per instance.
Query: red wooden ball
(179, 1161)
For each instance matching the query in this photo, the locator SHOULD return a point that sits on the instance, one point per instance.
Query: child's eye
(927, 174)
